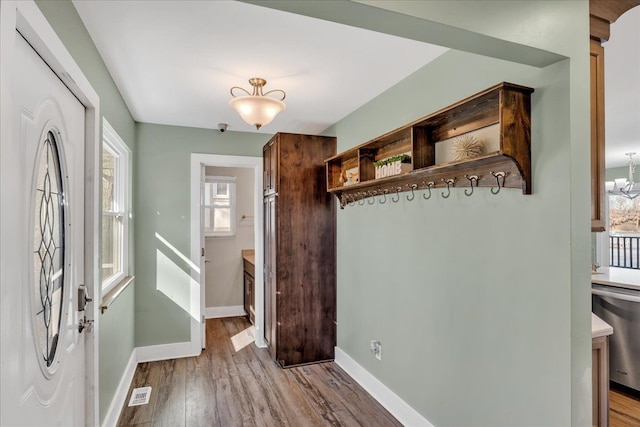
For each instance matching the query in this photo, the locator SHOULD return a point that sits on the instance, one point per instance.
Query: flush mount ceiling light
(625, 186)
(256, 108)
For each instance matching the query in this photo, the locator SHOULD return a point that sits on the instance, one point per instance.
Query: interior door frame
(198, 160)
(26, 18)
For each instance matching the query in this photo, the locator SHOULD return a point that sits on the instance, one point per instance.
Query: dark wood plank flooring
(234, 383)
(624, 407)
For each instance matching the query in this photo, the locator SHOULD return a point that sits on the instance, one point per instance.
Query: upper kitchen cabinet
(601, 14)
(597, 136)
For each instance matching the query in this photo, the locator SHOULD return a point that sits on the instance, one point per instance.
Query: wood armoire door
(270, 162)
(270, 241)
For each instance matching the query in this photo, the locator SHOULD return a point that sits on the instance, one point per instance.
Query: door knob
(85, 324)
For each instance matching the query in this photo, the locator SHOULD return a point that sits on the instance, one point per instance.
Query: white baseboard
(228, 311)
(151, 353)
(113, 413)
(387, 398)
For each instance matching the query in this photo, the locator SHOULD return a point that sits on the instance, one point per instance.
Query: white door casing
(39, 386)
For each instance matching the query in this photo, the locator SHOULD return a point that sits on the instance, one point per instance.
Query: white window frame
(112, 142)
(231, 180)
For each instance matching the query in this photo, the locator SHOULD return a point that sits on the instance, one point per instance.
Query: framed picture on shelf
(351, 176)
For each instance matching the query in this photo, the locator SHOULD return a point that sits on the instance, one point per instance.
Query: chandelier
(625, 186)
(256, 108)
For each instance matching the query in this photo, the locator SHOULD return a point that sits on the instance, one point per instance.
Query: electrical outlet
(376, 349)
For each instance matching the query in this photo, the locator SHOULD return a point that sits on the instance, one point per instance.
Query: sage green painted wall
(482, 305)
(64, 19)
(163, 188)
(614, 173)
(116, 325)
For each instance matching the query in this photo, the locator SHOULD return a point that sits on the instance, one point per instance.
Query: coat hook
(384, 194)
(372, 194)
(428, 185)
(413, 187)
(472, 179)
(361, 202)
(351, 200)
(397, 198)
(497, 176)
(449, 182)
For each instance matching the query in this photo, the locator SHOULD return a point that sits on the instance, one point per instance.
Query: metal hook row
(381, 194)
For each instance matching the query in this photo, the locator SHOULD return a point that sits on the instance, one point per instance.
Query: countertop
(599, 328)
(249, 255)
(621, 277)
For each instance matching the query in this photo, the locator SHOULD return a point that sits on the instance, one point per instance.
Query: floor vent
(140, 396)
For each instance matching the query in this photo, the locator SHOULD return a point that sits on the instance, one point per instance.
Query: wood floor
(624, 408)
(234, 383)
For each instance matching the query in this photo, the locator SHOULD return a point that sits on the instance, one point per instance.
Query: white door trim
(197, 290)
(26, 17)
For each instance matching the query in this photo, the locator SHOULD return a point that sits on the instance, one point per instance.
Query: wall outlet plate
(376, 349)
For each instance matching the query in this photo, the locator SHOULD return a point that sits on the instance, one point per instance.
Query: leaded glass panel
(49, 244)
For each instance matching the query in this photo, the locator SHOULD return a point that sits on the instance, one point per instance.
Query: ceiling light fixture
(257, 108)
(625, 186)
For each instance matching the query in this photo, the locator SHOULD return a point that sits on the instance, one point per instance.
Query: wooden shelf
(499, 116)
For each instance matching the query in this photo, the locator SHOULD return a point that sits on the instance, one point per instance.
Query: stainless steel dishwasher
(620, 308)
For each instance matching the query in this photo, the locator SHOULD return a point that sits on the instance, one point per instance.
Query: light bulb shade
(621, 183)
(257, 110)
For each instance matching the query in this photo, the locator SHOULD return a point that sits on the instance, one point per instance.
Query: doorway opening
(239, 227)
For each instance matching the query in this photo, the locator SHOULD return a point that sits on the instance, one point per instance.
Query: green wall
(473, 289)
(614, 173)
(116, 325)
(162, 176)
(481, 303)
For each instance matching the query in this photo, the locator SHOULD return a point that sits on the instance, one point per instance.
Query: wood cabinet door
(597, 137)
(266, 162)
(270, 241)
(252, 295)
(270, 164)
(247, 294)
(600, 381)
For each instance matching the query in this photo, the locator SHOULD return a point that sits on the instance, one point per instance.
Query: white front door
(42, 249)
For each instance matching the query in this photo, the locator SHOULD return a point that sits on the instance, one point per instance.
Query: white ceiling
(622, 89)
(174, 62)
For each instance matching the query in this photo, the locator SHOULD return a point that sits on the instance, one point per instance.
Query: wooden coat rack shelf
(499, 117)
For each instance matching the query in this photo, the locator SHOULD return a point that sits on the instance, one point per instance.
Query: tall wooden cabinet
(299, 250)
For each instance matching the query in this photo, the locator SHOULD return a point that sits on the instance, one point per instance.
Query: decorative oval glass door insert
(49, 246)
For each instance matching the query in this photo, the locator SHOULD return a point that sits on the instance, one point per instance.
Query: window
(624, 215)
(115, 208)
(219, 206)
(624, 232)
